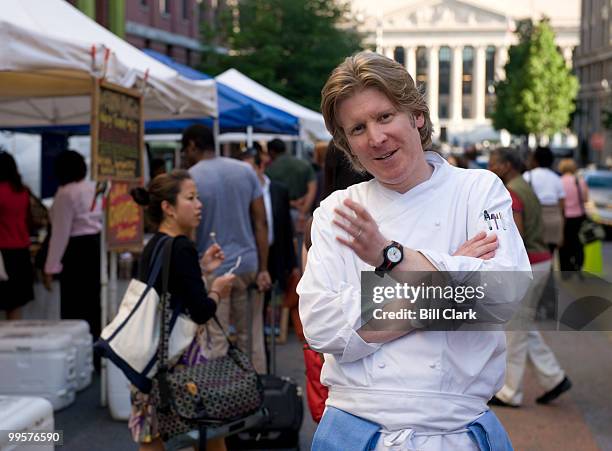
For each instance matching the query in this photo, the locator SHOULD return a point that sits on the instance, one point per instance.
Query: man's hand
(479, 246)
(297, 203)
(367, 241)
(47, 280)
(300, 223)
(263, 280)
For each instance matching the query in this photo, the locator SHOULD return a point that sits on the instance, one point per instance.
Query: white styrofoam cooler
(38, 363)
(24, 414)
(81, 338)
(118, 392)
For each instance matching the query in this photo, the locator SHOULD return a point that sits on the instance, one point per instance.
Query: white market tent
(312, 125)
(49, 54)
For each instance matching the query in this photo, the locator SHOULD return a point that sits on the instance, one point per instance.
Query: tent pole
(112, 286)
(216, 136)
(250, 136)
(104, 300)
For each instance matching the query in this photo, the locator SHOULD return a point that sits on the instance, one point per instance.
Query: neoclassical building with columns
(455, 50)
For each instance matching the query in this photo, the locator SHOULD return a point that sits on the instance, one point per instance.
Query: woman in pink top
(571, 255)
(14, 239)
(74, 246)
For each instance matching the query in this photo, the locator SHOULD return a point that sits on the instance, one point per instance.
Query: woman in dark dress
(172, 204)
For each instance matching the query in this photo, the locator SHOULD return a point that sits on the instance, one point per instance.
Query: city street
(193, 150)
(578, 420)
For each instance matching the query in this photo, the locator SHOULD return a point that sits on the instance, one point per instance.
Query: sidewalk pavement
(579, 419)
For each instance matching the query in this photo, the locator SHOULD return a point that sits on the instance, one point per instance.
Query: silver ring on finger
(358, 233)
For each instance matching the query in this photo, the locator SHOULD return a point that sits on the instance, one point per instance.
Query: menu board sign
(117, 133)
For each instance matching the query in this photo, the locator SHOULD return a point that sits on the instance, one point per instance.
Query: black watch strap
(387, 265)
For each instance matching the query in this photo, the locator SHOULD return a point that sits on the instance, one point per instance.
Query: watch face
(394, 254)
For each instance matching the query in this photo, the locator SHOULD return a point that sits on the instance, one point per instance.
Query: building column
(87, 7)
(501, 58)
(432, 81)
(388, 51)
(116, 15)
(478, 85)
(456, 83)
(568, 55)
(410, 55)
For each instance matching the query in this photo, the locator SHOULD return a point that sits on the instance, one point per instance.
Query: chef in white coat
(417, 389)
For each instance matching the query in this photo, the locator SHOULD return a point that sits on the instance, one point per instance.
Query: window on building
(164, 6)
(489, 81)
(467, 79)
(399, 55)
(444, 68)
(185, 9)
(421, 69)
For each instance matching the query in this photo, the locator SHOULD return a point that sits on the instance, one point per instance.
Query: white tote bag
(130, 341)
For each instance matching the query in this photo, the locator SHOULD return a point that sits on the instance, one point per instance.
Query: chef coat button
(433, 365)
(437, 223)
(381, 365)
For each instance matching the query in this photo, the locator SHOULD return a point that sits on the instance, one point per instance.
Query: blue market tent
(236, 110)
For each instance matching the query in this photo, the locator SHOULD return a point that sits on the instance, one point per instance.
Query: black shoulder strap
(579, 194)
(164, 324)
(147, 266)
(167, 253)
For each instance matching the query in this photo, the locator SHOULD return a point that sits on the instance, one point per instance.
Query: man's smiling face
(385, 140)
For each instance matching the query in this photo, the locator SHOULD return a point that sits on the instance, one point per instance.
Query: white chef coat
(426, 380)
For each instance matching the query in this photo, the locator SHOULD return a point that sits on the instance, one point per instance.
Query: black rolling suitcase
(284, 409)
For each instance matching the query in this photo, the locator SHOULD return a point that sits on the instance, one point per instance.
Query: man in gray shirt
(234, 216)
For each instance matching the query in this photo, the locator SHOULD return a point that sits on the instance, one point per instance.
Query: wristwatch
(393, 254)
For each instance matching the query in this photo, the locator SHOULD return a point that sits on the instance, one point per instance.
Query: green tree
(537, 96)
(289, 46)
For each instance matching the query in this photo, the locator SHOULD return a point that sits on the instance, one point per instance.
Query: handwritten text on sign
(125, 218)
(119, 140)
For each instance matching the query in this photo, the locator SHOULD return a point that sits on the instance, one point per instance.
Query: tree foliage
(537, 95)
(289, 46)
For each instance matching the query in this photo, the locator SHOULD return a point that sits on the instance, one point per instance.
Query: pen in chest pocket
(487, 219)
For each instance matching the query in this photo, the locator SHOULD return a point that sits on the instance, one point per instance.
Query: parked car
(599, 206)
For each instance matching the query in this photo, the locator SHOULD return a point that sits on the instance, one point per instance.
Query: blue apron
(339, 431)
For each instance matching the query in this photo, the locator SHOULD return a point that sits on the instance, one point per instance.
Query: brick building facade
(171, 27)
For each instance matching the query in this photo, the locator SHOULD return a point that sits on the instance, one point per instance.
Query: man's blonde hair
(371, 70)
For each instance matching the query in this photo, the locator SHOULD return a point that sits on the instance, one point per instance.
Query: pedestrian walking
(526, 342)
(74, 245)
(547, 186)
(571, 253)
(16, 285)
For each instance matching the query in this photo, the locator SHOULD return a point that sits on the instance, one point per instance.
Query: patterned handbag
(213, 392)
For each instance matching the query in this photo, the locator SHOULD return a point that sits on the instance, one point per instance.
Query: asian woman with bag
(172, 203)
